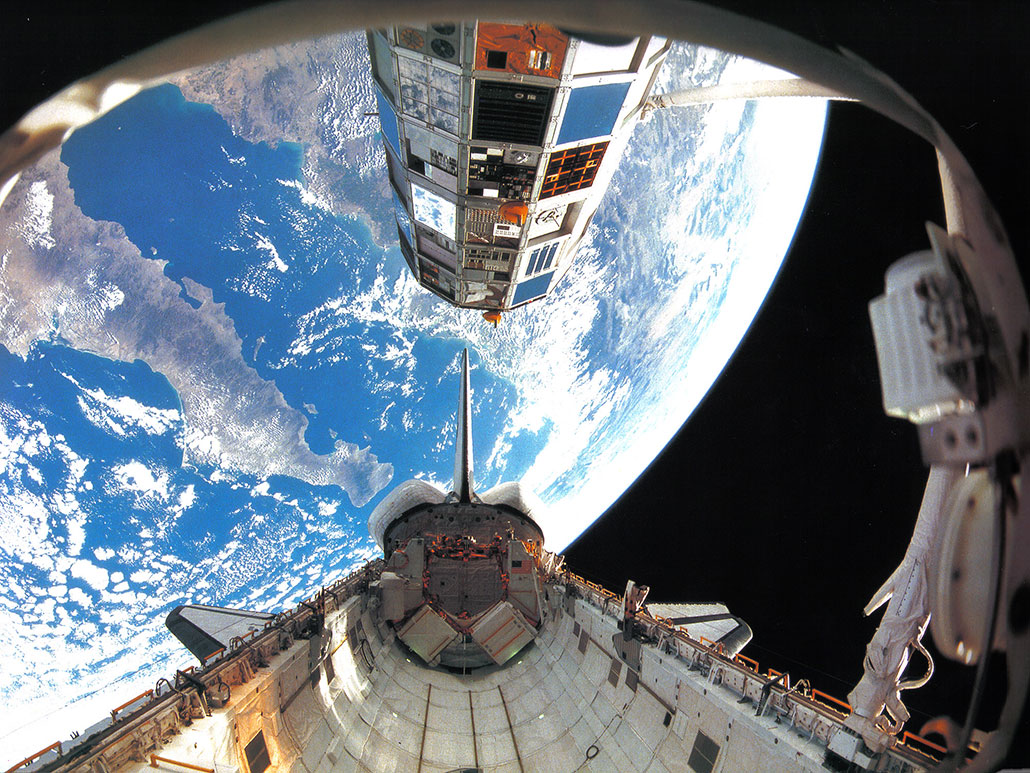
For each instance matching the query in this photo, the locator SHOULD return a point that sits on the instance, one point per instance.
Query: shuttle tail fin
(463, 444)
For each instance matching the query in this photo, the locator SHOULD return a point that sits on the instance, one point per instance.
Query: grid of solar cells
(429, 93)
(573, 169)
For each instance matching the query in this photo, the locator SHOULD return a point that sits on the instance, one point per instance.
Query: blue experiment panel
(532, 288)
(592, 111)
(434, 211)
(388, 120)
(540, 259)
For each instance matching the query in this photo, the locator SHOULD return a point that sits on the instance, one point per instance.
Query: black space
(788, 495)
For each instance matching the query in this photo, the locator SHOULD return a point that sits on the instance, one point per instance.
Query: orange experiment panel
(411, 38)
(514, 212)
(531, 49)
(573, 169)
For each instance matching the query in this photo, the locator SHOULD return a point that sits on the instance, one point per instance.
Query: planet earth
(214, 361)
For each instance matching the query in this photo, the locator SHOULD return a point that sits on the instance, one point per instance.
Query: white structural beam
(764, 89)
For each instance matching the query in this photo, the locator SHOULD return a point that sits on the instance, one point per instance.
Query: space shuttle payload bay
(469, 646)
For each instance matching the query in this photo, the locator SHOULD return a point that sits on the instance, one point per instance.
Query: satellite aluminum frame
(979, 253)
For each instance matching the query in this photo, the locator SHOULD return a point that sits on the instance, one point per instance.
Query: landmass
(307, 93)
(111, 301)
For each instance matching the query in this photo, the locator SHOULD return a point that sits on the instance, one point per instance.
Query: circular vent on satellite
(412, 39)
(442, 48)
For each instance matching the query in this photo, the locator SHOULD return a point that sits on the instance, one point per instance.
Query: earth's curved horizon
(214, 362)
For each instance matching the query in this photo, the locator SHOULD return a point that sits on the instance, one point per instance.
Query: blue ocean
(229, 214)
